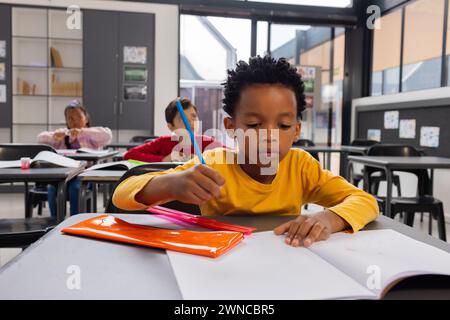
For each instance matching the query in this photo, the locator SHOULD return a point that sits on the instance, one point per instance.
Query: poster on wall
(2, 49)
(135, 55)
(308, 75)
(2, 71)
(2, 93)
(391, 119)
(135, 74)
(429, 137)
(374, 134)
(407, 129)
(135, 92)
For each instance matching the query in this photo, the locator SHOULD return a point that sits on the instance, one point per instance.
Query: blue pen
(189, 129)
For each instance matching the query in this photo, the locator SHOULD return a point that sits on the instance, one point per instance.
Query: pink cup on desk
(25, 163)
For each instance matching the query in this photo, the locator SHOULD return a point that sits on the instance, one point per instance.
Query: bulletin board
(425, 113)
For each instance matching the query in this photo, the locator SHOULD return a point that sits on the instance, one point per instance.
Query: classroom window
(261, 38)
(208, 47)
(422, 45)
(386, 54)
(309, 46)
(320, 3)
(447, 49)
(377, 83)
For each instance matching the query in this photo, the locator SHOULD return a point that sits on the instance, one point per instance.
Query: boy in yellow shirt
(264, 97)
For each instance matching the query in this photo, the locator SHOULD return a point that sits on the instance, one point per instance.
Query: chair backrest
(393, 150)
(398, 150)
(142, 139)
(15, 151)
(304, 143)
(146, 168)
(363, 143)
(307, 143)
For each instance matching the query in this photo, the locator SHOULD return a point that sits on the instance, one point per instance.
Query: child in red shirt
(160, 149)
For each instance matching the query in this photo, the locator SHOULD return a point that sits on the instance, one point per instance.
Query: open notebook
(44, 159)
(82, 150)
(364, 265)
(116, 165)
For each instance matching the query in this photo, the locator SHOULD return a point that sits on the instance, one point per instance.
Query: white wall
(166, 44)
(409, 182)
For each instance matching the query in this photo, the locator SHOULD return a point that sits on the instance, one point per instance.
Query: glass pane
(321, 3)
(261, 38)
(338, 79)
(447, 52)
(422, 45)
(377, 83)
(390, 80)
(310, 47)
(386, 52)
(208, 47)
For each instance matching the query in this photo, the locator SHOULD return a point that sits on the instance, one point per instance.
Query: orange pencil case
(210, 244)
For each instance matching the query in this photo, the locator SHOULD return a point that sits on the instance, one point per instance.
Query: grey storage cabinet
(106, 34)
(5, 35)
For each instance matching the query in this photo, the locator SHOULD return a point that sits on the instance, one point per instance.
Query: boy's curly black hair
(262, 70)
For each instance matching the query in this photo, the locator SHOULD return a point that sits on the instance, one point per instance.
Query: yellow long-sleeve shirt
(299, 180)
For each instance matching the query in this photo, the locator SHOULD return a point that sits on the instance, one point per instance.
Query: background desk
(118, 271)
(125, 145)
(95, 177)
(47, 175)
(91, 157)
(390, 164)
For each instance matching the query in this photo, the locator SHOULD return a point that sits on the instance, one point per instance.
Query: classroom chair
(152, 167)
(408, 206)
(356, 178)
(37, 195)
(142, 139)
(307, 143)
(389, 150)
(20, 233)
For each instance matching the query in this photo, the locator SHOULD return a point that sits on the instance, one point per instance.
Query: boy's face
(272, 108)
(191, 115)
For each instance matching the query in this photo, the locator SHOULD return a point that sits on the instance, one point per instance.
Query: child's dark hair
(262, 70)
(76, 105)
(171, 109)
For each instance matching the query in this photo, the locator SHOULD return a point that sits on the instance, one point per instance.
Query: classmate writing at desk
(162, 148)
(264, 97)
(78, 134)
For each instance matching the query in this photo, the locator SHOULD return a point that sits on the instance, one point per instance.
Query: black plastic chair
(142, 139)
(20, 233)
(35, 196)
(307, 143)
(356, 178)
(146, 168)
(389, 150)
(408, 206)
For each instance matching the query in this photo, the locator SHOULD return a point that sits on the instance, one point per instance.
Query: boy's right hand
(196, 185)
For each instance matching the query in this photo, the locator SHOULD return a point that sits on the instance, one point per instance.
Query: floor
(12, 206)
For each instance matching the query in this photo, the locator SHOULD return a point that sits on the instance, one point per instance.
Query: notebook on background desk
(44, 159)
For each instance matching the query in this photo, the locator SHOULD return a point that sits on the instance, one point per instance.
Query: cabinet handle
(121, 107)
(114, 107)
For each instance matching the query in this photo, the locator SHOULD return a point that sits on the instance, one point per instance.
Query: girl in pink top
(78, 133)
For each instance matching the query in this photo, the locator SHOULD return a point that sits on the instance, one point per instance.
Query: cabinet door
(5, 82)
(137, 31)
(100, 56)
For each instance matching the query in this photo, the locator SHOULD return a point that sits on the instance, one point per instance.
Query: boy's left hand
(305, 230)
